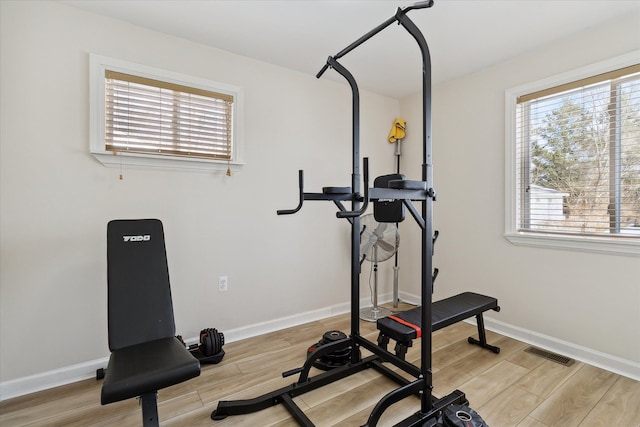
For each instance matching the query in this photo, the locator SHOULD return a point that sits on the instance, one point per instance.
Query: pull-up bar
(385, 24)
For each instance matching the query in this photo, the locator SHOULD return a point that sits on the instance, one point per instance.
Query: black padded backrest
(139, 295)
(388, 210)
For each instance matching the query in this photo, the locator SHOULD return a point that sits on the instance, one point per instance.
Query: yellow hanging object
(398, 130)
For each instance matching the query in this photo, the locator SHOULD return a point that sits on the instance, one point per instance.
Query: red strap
(405, 323)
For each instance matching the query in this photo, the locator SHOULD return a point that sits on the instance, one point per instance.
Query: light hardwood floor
(509, 389)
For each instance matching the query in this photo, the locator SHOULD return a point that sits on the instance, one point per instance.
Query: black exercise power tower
(408, 192)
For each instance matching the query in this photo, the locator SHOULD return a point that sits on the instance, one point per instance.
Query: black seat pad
(443, 313)
(153, 365)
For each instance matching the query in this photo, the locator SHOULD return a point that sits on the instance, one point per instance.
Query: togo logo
(144, 238)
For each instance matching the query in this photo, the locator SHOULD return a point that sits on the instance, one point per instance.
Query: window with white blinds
(576, 153)
(144, 115)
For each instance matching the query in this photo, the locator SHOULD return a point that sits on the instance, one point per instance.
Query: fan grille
(378, 240)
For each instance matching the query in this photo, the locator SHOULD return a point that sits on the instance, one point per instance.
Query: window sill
(146, 161)
(627, 247)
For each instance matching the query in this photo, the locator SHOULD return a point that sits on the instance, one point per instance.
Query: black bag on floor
(461, 416)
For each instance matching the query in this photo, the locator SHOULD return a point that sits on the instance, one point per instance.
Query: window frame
(99, 64)
(583, 243)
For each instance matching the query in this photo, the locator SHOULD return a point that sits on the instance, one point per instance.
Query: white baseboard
(589, 356)
(283, 323)
(50, 379)
(82, 371)
(86, 370)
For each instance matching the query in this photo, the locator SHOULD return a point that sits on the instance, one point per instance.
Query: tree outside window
(578, 155)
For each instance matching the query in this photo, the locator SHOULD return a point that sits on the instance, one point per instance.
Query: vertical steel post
(427, 213)
(355, 204)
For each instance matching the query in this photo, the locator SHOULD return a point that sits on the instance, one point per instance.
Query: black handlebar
(419, 5)
(322, 70)
(365, 203)
(339, 214)
(385, 24)
(301, 200)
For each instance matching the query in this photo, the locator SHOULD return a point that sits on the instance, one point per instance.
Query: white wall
(56, 199)
(583, 299)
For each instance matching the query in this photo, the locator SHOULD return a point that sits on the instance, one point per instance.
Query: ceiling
(464, 36)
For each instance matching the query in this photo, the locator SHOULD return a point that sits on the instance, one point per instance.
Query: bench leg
(482, 342)
(383, 341)
(150, 409)
(401, 348)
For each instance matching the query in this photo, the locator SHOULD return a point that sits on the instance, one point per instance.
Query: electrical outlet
(223, 283)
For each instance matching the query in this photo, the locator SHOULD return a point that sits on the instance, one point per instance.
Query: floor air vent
(563, 360)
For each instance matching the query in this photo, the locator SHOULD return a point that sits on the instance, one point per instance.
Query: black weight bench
(405, 326)
(145, 354)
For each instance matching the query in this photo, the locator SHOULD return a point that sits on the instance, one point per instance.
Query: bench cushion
(443, 313)
(146, 367)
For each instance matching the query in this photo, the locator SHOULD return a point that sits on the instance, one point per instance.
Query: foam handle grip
(422, 4)
(300, 196)
(322, 70)
(291, 372)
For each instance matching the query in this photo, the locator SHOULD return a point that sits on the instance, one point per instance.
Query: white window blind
(578, 157)
(150, 116)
